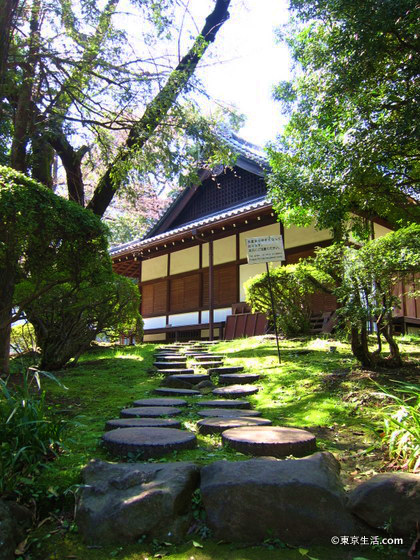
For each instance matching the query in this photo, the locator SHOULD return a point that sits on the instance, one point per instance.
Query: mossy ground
(312, 388)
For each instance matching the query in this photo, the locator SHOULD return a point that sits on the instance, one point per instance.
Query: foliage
(30, 434)
(353, 136)
(364, 280)
(70, 316)
(401, 423)
(22, 338)
(79, 81)
(45, 241)
(291, 289)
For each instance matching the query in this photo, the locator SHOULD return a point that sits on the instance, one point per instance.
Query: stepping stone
(168, 365)
(271, 441)
(148, 442)
(192, 378)
(227, 412)
(142, 423)
(149, 411)
(207, 365)
(160, 402)
(208, 358)
(219, 425)
(225, 369)
(235, 391)
(238, 378)
(177, 371)
(171, 391)
(172, 359)
(225, 403)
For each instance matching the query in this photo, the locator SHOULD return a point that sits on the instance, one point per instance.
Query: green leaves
(353, 137)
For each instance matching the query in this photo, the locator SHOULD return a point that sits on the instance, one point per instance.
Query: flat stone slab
(207, 365)
(227, 412)
(141, 423)
(172, 391)
(192, 378)
(219, 425)
(149, 442)
(208, 358)
(235, 391)
(225, 403)
(225, 369)
(168, 365)
(170, 358)
(160, 402)
(271, 441)
(177, 371)
(149, 411)
(238, 378)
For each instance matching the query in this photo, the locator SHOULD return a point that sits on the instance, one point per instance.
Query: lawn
(313, 388)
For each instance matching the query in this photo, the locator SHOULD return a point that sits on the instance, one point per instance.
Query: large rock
(389, 501)
(14, 522)
(122, 502)
(298, 501)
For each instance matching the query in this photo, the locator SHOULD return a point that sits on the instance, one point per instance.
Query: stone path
(147, 428)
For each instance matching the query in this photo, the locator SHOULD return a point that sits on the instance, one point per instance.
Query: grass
(312, 388)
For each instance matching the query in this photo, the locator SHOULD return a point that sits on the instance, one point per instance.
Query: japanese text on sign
(265, 249)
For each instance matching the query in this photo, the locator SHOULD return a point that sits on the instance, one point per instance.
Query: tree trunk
(7, 284)
(42, 161)
(157, 110)
(360, 348)
(8, 11)
(71, 160)
(23, 111)
(394, 359)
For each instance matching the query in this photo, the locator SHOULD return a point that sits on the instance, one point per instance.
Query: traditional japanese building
(192, 264)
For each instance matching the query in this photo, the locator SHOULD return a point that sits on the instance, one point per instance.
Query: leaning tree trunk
(360, 348)
(394, 359)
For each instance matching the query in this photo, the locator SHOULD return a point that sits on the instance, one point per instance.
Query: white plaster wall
(224, 250)
(296, 236)
(154, 322)
(218, 315)
(181, 319)
(185, 260)
(154, 268)
(247, 271)
(154, 337)
(380, 230)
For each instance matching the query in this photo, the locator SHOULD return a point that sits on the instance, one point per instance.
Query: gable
(229, 189)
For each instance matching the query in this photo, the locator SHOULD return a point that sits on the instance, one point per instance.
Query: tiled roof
(205, 220)
(246, 149)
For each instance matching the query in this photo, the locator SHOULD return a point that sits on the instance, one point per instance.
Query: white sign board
(265, 249)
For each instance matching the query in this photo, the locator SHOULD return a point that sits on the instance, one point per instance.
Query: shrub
(401, 423)
(30, 436)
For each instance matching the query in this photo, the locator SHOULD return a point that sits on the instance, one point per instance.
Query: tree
(79, 79)
(67, 318)
(45, 241)
(364, 282)
(352, 143)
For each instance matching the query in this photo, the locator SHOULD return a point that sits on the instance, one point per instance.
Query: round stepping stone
(142, 423)
(171, 391)
(225, 403)
(225, 369)
(148, 442)
(178, 371)
(227, 412)
(271, 441)
(238, 378)
(208, 358)
(168, 365)
(235, 391)
(149, 411)
(160, 402)
(207, 365)
(219, 425)
(193, 378)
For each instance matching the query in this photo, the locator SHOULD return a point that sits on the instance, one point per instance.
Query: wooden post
(211, 290)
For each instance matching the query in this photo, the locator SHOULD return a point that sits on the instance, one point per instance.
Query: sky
(254, 64)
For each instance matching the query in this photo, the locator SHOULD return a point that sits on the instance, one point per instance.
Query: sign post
(267, 249)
